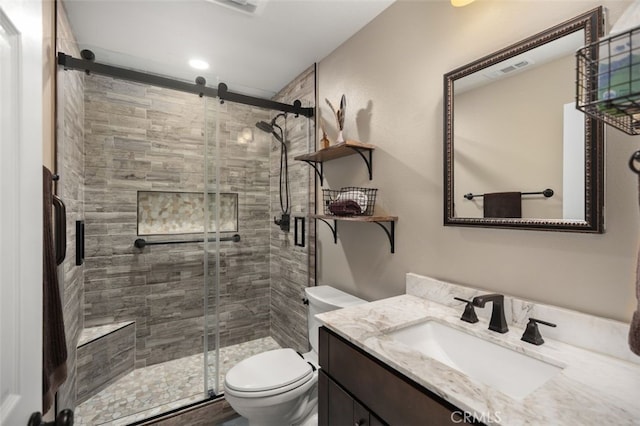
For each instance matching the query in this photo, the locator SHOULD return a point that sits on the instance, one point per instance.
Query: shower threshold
(159, 388)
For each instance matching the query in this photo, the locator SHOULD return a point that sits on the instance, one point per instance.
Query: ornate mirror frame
(592, 24)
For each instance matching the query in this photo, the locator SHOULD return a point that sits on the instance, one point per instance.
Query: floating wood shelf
(339, 150)
(343, 149)
(378, 220)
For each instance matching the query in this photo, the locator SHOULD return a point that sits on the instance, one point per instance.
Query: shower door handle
(60, 229)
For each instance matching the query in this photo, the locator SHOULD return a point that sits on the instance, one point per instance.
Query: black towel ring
(632, 165)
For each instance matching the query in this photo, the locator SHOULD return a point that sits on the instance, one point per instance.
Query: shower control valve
(284, 222)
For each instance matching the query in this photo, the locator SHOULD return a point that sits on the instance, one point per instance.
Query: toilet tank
(324, 298)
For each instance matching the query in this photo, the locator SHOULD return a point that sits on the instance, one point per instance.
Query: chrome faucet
(498, 322)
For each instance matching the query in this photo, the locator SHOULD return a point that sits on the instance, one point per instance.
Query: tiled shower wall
(70, 167)
(292, 267)
(139, 137)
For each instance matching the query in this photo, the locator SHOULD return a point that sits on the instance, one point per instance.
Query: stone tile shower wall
(139, 137)
(70, 163)
(293, 268)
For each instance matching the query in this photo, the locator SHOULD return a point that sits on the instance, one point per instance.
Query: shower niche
(168, 213)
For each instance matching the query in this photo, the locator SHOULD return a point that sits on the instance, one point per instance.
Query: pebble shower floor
(159, 388)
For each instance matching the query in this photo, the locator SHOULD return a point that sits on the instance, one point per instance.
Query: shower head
(264, 126)
(284, 169)
(271, 128)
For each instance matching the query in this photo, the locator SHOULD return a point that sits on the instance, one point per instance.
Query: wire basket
(608, 81)
(349, 201)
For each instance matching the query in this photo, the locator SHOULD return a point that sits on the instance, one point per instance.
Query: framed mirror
(517, 152)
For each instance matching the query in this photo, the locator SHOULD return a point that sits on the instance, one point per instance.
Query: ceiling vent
(247, 6)
(516, 64)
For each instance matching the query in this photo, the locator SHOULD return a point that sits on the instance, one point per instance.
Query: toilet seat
(269, 373)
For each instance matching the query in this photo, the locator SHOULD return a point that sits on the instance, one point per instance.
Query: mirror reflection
(519, 154)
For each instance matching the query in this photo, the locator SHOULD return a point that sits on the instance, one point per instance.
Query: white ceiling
(256, 54)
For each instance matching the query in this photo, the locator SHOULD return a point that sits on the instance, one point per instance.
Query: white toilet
(279, 387)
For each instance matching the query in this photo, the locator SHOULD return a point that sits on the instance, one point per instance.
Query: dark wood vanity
(356, 389)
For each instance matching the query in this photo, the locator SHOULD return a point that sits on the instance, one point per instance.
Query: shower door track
(199, 88)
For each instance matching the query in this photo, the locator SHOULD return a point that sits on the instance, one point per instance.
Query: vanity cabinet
(345, 410)
(356, 389)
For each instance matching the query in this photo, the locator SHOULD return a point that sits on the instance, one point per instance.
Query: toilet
(279, 387)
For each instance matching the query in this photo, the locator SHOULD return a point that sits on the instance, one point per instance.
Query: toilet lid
(268, 370)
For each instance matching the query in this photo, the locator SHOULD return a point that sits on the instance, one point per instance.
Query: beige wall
(508, 137)
(391, 73)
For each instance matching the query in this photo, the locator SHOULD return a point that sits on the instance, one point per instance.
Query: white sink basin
(506, 370)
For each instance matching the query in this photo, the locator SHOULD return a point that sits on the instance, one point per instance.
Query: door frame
(21, 215)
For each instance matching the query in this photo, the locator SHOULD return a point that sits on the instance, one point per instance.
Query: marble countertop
(592, 388)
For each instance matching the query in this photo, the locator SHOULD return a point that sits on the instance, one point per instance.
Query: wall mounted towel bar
(142, 243)
(547, 193)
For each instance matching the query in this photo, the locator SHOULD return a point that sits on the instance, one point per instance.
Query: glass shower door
(237, 272)
(131, 159)
(211, 249)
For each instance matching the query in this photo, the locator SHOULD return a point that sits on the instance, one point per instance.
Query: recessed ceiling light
(198, 64)
(460, 3)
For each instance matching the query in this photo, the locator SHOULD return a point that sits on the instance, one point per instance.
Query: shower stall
(175, 268)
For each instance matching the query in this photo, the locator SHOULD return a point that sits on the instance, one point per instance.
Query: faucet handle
(469, 314)
(532, 334)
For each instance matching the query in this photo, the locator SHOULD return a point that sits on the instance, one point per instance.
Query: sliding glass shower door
(237, 164)
(212, 216)
(131, 160)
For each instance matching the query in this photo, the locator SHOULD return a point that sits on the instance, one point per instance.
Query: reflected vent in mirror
(508, 68)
